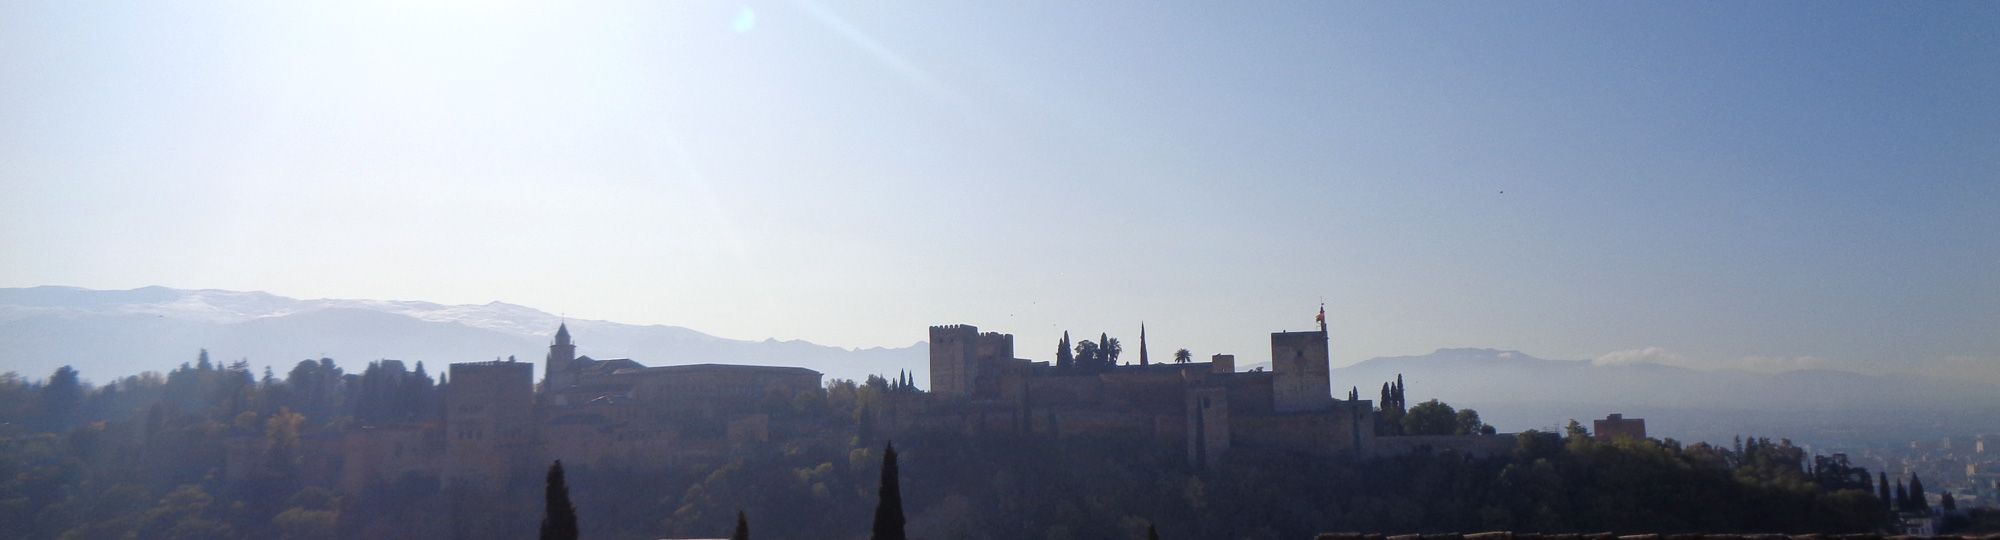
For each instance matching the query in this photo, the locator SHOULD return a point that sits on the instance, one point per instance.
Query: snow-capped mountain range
(109, 334)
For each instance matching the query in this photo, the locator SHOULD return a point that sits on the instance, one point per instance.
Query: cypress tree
(1152, 534)
(1882, 488)
(889, 510)
(1402, 401)
(1950, 504)
(1063, 358)
(1902, 497)
(559, 517)
(1917, 500)
(742, 528)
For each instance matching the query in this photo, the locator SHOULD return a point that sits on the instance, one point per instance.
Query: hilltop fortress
(604, 412)
(979, 387)
(498, 422)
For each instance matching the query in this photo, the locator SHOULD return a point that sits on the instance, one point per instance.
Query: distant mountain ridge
(1517, 391)
(1495, 376)
(110, 334)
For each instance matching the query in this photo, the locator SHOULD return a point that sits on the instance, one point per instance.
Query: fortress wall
(1154, 392)
(1170, 428)
(1250, 393)
(1208, 428)
(1309, 432)
(1223, 363)
(714, 393)
(372, 454)
(1345, 426)
(1064, 391)
(1002, 378)
(1083, 422)
(995, 346)
(580, 443)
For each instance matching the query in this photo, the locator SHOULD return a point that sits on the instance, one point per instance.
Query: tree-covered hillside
(144, 457)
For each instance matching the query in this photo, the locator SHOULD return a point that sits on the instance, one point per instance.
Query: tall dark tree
(61, 399)
(1151, 533)
(1882, 489)
(1390, 421)
(1087, 353)
(1918, 501)
(742, 528)
(889, 509)
(1947, 502)
(1402, 401)
(1835, 473)
(1902, 497)
(1469, 424)
(1063, 358)
(1183, 356)
(558, 516)
(1575, 430)
(1431, 418)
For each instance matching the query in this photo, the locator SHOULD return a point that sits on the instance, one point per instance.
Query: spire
(562, 334)
(1142, 344)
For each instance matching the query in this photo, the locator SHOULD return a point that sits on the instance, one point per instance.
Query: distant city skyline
(1760, 187)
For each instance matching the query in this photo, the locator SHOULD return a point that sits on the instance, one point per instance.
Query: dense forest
(144, 457)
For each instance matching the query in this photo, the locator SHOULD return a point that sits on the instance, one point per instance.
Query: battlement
(955, 328)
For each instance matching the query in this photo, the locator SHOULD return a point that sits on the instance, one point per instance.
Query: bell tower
(560, 370)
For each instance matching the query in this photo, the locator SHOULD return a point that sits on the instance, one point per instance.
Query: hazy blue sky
(1760, 185)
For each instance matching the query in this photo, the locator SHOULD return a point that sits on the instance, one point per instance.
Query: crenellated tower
(954, 359)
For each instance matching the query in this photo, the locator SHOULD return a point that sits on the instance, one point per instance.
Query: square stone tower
(1301, 380)
(488, 420)
(954, 359)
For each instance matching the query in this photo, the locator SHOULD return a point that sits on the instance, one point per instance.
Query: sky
(1760, 186)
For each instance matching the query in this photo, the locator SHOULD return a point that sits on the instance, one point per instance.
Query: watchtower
(489, 420)
(955, 359)
(1301, 379)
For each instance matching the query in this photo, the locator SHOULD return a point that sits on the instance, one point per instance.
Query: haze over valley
(109, 334)
(1109, 270)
